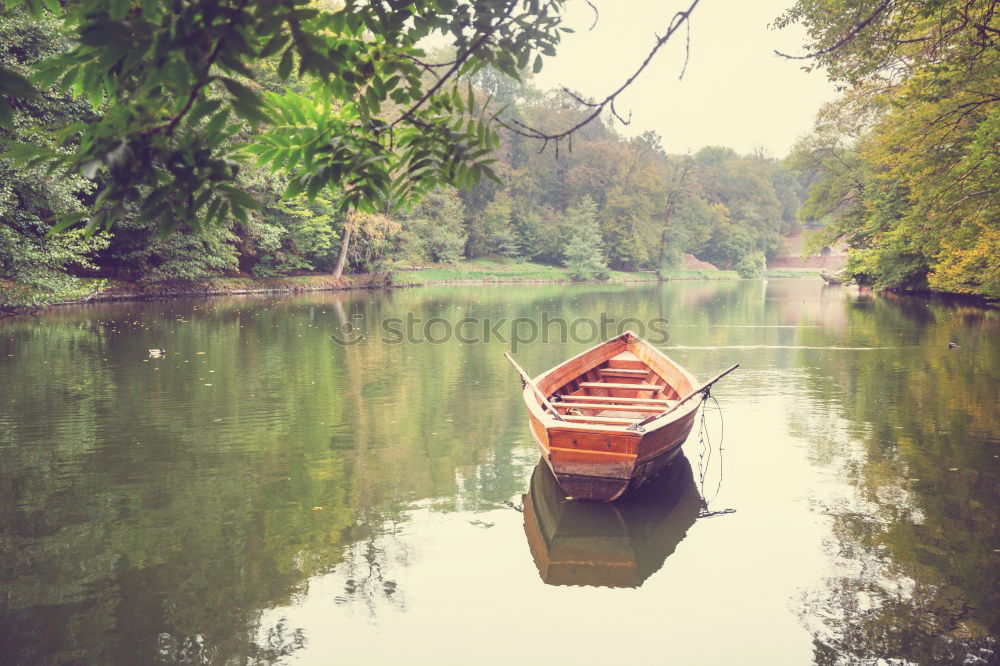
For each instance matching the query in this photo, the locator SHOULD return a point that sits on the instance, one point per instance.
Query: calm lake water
(262, 494)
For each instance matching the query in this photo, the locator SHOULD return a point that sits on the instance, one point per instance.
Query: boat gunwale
(550, 423)
(692, 405)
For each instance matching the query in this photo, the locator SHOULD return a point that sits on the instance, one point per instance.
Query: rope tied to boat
(705, 455)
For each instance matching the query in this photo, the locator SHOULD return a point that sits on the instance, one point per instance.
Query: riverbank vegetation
(906, 161)
(237, 146)
(606, 203)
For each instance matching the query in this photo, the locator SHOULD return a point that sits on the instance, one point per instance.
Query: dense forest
(906, 161)
(609, 201)
(269, 159)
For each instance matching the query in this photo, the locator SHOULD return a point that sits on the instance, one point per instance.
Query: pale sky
(736, 92)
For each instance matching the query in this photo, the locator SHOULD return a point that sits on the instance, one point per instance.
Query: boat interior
(620, 391)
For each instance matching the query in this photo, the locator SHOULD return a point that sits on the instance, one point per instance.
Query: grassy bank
(792, 273)
(496, 270)
(499, 270)
(477, 271)
(702, 275)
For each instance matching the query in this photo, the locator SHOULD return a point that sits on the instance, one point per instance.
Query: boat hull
(605, 478)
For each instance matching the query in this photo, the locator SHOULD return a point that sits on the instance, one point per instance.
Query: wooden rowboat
(609, 419)
(618, 544)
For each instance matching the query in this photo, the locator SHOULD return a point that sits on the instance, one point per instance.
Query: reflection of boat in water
(608, 545)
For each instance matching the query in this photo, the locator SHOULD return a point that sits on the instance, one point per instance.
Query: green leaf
(46, 77)
(241, 92)
(294, 188)
(233, 63)
(64, 222)
(216, 124)
(203, 109)
(6, 114)
(285, 66)
(249, 112)
(13, 84)
(237, 196)
(273, 45)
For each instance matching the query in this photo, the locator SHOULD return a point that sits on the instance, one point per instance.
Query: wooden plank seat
(611, 399)
(622, 387)
(610, 420)
(623, 372)
(652, 409)
(635, 416)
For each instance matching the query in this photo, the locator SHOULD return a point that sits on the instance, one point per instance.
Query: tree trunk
(345, 242)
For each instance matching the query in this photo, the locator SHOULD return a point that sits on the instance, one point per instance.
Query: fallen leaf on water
(952, 469)
(207, 384)
(317, 508)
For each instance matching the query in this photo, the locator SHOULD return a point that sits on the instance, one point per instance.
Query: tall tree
(34, 269)
(585, 249)
(913, 190)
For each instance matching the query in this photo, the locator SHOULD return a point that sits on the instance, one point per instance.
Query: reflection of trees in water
(147, 518)
(878, 610)
(366, 582)
(267, 647)
(916, 545)
(169, 545)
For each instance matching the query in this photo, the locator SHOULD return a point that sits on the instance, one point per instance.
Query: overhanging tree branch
(679, 19)
(852, 33)
(456, 65)
(171, 125)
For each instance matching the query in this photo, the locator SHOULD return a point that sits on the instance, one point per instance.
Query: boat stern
(591, 464)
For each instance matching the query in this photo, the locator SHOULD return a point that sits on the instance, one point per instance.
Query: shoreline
(120, 291)
(347, 283)
(126, 292)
